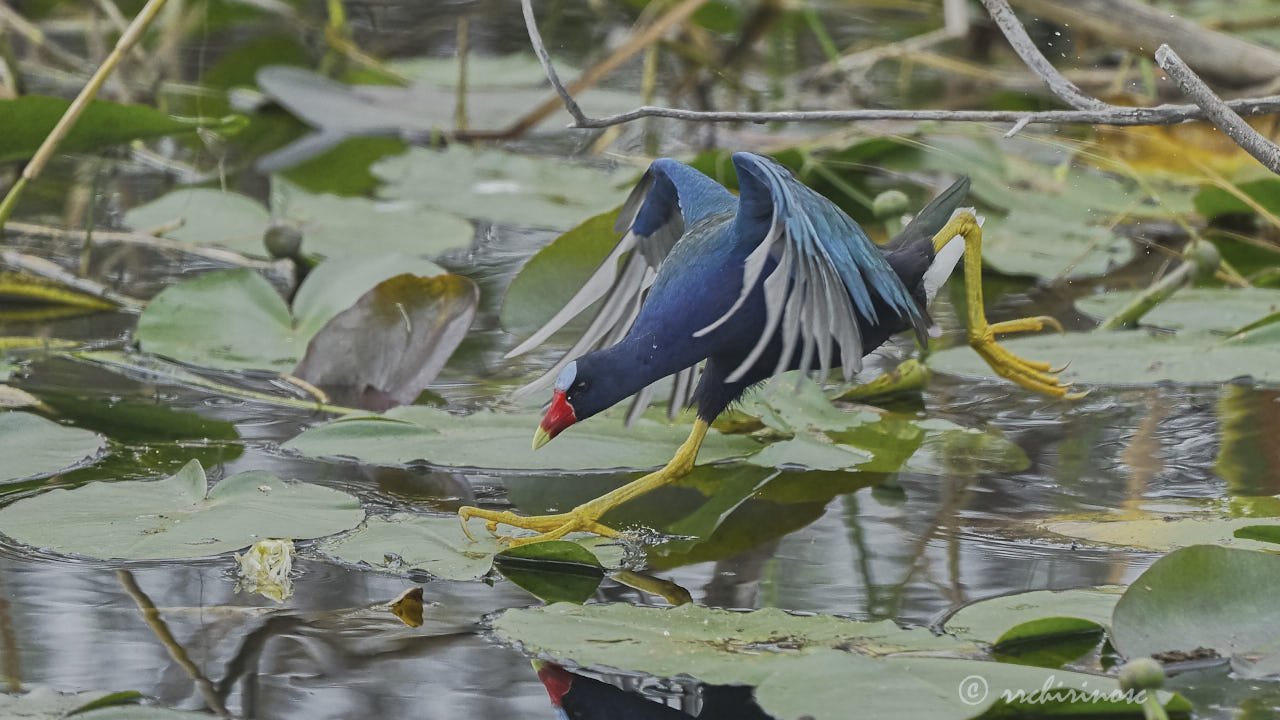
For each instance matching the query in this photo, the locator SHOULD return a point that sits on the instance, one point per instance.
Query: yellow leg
(1038, 376)
(585, 517)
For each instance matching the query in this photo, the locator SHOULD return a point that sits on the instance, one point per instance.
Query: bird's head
(577, 396)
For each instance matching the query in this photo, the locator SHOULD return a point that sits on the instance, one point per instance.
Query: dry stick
(1017, 36)
(1267, 152)
(100, 238)
(151, 616)
(50, 144)
(49, 270)
(638, 42)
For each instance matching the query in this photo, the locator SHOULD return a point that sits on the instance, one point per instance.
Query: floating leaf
(554, 273)
(500, 186)
(1132, 357)
(1058, 220)
(553, 571)
(827, 684)
(1262, 533)
(1210, 597)
(29, 119)
(992, 619)
(408, 607)
(331, 225)
(1168, 526)
(235, 319)
(177, 517)
(716, 646)
(502, 441)
(386, 348)
(431, 543)
(32, 446)
(1218, 310)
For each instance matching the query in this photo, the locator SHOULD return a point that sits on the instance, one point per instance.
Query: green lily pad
(553, 571)
(1057, 218)
(1161, 530)
(828, 684)
(992, 620)
(177, 517)
(1133, 357)
(1213, 201)
(500, 186)
(29, 119)
(33, 446)
(1210, 597)
(503, 441)
(716, 646)
(387, 348)
(551, 277)
(434, 544)
(235, 319)
(825, 437)
(1198, 309)
(819, 666)
(330, 225)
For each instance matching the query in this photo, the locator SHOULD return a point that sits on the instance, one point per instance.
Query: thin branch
(1267, 152)
(540, 50)
(1158, 115)
(1008, 23)
(1107, 114)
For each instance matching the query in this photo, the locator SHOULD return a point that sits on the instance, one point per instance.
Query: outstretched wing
(653, 218)
(827, 272)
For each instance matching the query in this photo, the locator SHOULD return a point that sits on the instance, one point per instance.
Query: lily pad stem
(1202, 259)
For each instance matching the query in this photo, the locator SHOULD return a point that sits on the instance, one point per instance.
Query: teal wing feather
(828, 273)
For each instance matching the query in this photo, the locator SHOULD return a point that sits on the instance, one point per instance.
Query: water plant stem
(127, 40)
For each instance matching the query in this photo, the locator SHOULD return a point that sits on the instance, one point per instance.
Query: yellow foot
(551, 527)
(1033, 375)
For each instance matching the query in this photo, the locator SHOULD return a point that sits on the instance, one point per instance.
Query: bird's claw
(1041, 377)
(549, 527)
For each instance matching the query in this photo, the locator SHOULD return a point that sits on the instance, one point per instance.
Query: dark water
(905, 546)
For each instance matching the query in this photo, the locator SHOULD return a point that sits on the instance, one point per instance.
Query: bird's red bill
(559, 417)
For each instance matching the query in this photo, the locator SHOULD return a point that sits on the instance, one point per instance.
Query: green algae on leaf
(33, 446)
(178, 516)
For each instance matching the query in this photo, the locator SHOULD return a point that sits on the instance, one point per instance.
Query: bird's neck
(639, 361)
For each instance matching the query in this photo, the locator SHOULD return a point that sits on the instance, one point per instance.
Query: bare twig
(101, 238)
(1267, 152)
(51, 271)
(1109, 115)
(590, 77)
(1008, 23)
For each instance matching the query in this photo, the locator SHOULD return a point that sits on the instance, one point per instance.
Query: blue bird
(773, 279)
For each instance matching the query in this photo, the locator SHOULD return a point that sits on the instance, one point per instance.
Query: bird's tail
(933, 217)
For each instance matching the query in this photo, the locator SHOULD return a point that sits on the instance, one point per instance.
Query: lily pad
(1197, 309)
(33, 446)
(1045, 628)
(827, 684)
(553, 571)
(433, 544)
(1166, 526)
(1058, 218)
(501, 186)
(551, 277)
(990, 620)
(386, 348)
(177, 517)
(502, 441)
(29, 119)
(331, 225)
(819, 666)
(1133, 357)
(235, 319)
(716, 646)
(1210, 597)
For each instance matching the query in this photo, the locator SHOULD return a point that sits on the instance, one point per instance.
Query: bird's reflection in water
(578, 697)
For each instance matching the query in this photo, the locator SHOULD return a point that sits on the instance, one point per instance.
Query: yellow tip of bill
(540, 437)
